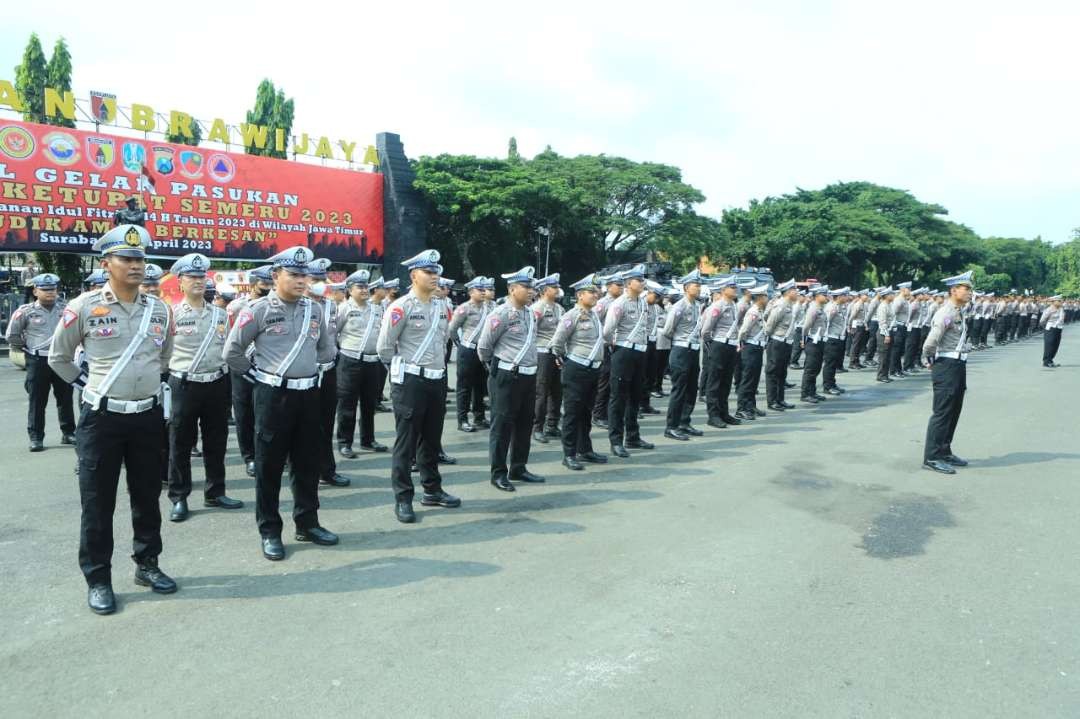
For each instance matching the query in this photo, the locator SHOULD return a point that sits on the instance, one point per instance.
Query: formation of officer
(307, 355)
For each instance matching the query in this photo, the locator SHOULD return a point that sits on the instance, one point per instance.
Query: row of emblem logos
(61, 148)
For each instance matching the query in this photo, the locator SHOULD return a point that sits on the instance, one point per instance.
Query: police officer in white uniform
(288, 334)
(127, 340)
(31, 330)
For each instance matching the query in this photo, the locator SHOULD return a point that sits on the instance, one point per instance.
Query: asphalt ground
(801, 566)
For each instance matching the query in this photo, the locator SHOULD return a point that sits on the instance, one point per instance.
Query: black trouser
(912, 348)
(579, 395)
(105, 441)
(979, 324)
(548, 393)
(751, 375)
(814, 358)
(626, 379)
(988, 325)
(684, 386)
(777, 356)
(884, 367)
(662, 358)
(603, 388)
(950, 383)
(288, 425)
(382, 378)
(705, 370)
(722, 360)
(513, 402)
(859, 337)
(896, 349)
(357, 382)
(327, 412)
(1051, 342)
(419, 410)
(196, 404)
(243, 415)
(872, 340)
(650, 370)
(469, 389)
(39, 379)
(832, 358)
(796, 347)
(1014, 326)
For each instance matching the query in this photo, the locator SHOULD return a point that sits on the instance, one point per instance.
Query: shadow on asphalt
(1014, 458)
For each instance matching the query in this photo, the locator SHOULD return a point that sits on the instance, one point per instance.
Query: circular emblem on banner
(61, 148)
(16, 142)
(220, 168)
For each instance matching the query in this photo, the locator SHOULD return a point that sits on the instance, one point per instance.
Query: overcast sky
(972, 105)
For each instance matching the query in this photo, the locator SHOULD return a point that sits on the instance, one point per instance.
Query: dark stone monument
(404, 215)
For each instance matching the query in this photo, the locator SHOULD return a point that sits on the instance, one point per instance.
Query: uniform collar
(109, 297)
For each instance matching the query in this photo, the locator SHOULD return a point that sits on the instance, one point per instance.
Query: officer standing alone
(127, 342)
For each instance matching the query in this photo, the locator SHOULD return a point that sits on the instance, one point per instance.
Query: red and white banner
(59, 190)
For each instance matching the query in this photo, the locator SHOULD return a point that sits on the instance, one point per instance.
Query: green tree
(273, 111)
(58, 77)
(181, 139)
(30, 77)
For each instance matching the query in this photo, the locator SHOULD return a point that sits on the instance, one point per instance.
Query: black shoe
(656, 394)
(787, 405)
(840, 370)
(789, 385)
(148, 574)
(465, 427)
(884, 380)
(481, 423)
(502, 483)
(593, 457)
(179, 511)
(820, 398)
(938, 466)
(346, 451)
(380, 407)
(373, 446)
(196, 452)
(795, 365)
(222, 502)
(527, 476)
(759, 412)
(956, 461)
(572, 463)
(100, 599)
(440, 499)
(404, 512)
(444, 458)
(619, 451)
(67, 439)
(36, 445)
(639, 444)
(745, 416)
(649, 410)
(691, 430)
(552, 432)
(273, 549)
(250, 468)
(539, 437)
(776, 407)
(906, 373)
(336, 480)
(716, 422)
(1045, 364)
(835, 391)
(600, 423)
(809, 400)
(676, 434)
(730, 420)
(318, 535)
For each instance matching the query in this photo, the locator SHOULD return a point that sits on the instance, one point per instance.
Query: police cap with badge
(294, 260)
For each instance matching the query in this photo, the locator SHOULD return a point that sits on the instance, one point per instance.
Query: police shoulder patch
(396, 315)
(69, 317)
